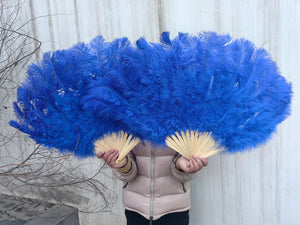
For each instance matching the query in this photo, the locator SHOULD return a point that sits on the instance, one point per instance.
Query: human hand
(111, 157)
(191, 166)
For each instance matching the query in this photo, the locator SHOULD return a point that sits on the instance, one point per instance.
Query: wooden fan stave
(191, 143)
(121, 141)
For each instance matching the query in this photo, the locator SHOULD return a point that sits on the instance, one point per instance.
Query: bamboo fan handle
(194, 143)
(210, 154)
(121, 141)
(120, 161)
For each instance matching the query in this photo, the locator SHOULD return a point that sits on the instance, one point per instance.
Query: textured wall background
(258, 187)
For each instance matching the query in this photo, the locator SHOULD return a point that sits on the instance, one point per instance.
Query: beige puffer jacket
(154, 187)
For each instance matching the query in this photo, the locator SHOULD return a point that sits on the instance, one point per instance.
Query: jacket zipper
(183, 187)
(125, 185)
(151, 184)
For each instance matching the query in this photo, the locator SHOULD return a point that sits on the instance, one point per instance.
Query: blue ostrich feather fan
(49, 105)
(207, 82)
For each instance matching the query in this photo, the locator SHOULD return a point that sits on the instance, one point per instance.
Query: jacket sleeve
(131, 174)
(180, 175)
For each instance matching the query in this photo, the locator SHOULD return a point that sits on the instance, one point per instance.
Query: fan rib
(191, 143)
(121, 141)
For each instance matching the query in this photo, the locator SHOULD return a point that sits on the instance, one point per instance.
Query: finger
(188, 164)
(100, 154)
(181, 163)
(111, 158)
(184, 165)
(196, 164)
(114, 159)
(191, 168)
(108, 155)
(199, 162)
(204, 161)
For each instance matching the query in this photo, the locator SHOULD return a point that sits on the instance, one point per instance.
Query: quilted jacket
(154, 187)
